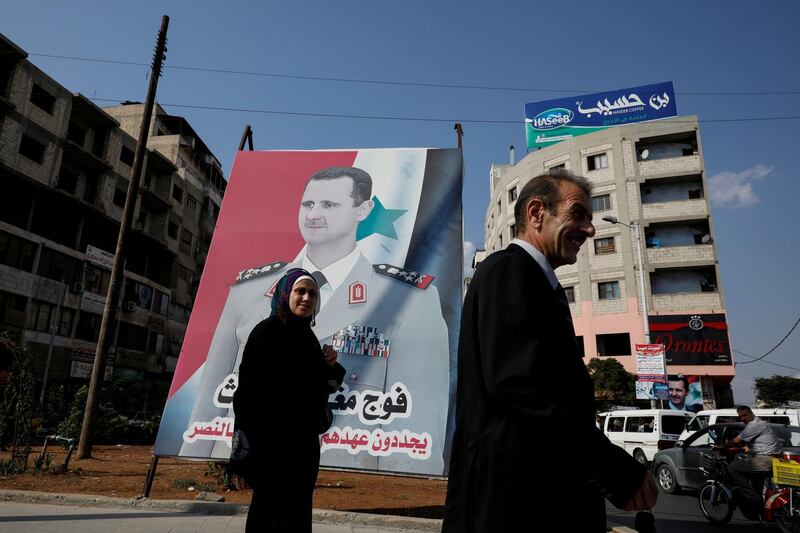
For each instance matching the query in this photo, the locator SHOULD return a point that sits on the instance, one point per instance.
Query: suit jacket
(409, 317)
(526, 448)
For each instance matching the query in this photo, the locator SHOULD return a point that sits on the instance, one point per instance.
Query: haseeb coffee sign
(692, 339)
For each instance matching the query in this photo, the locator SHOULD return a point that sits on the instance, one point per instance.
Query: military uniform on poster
(387, 325)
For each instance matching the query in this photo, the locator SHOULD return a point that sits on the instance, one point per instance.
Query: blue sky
(549, 50)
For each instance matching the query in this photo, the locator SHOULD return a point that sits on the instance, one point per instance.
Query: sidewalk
(43, 512)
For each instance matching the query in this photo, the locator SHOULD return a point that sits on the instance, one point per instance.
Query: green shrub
(183, 484)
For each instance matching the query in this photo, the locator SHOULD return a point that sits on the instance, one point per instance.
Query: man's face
(677, 393)
(563, 233)
(746, 417)
(327, 212)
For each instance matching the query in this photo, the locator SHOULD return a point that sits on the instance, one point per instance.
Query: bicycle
(718, 500)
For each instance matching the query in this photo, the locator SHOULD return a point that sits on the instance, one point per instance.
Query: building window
(16, 252)
(119, 197)
(60, 267)
(191, 203)
(31, 148)
(42, 317)
(512, 195)
(512, 232)
(570, 292)
(132, 337)
(126, 155)
(177, 193)
(562, 165)
(608, 290)
(156, 343)
(42, 99)
(97, 280)
(601, 203)
(67, 181)
(612, 344)
(88, 328)
(76, 134)
(138, 293)
(161, 302)
(172, 229)
(579, 344)
(695, 194)
(604, 246)
(186, 242)
(596, 162)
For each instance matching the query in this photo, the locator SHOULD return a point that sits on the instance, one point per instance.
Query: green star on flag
(380, 221)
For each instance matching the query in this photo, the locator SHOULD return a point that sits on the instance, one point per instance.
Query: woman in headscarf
(285, 378)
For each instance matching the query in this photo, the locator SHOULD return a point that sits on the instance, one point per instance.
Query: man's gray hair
(546, 187)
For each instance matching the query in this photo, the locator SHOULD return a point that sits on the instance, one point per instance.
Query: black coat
(526, 451)
(284, 385)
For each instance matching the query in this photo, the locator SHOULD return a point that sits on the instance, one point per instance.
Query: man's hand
(645, 497)
(329, 354)
(239, 482)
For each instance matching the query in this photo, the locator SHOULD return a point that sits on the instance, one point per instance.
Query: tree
(612, 383)
(777, 390)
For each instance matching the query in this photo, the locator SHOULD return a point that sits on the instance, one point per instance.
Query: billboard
(692, 339)
(391, 309)
(552, 121)
(650, 372)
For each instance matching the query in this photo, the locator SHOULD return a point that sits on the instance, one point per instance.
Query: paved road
(681, 514)
(43, 518)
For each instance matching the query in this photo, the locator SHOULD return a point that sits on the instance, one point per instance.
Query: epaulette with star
(415, 279)
(253, 273)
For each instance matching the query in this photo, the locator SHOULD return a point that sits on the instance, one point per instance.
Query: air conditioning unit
(77, 287)
(129, 306)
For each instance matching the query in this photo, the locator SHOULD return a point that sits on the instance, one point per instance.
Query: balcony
(689, 164)
(670, 210)
(698, 253)
(704, 301)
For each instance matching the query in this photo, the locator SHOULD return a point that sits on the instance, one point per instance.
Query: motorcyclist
(761, 443)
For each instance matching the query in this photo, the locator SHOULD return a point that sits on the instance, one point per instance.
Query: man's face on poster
(328, 211)
(677, 393)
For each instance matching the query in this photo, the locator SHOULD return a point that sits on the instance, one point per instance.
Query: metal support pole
(151, 474)
(247, 135)
(460, 134)
(87, 429)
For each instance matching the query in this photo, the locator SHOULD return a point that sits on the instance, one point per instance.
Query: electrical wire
(420, 119)
(774, 347)
(394, 82)
(764, 361)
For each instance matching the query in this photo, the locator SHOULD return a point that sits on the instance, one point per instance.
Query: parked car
(778, 415)
(643, 432)
(679, 467)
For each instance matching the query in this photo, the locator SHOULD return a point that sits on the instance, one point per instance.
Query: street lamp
(642, 294)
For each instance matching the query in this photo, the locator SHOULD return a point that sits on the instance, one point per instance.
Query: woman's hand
(239, 482)
(329, 354)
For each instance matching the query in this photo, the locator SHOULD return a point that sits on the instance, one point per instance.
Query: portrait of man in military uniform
(384, 320)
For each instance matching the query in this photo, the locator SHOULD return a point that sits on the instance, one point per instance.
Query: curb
(214, 508)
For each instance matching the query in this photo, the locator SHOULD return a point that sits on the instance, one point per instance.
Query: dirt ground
(120, 471)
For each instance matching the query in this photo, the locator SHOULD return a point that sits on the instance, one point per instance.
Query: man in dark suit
(526, 452)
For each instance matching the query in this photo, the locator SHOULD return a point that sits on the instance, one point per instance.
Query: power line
(421, 119)
(398, 83)
(768, 362)
(774, 347)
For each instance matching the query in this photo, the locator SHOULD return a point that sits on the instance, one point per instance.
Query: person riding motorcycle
(761, 443)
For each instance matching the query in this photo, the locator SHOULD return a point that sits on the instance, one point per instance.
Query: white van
(643, 432)
(778, 415)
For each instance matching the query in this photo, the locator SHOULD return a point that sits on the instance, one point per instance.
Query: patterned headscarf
(280, 298)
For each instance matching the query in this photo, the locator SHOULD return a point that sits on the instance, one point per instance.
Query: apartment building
(649, 174)
(65, 165)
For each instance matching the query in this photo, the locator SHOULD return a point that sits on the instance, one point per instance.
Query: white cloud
(735, 189)
(469, 253)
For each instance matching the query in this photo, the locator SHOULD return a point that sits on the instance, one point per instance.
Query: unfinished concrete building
(65, 165)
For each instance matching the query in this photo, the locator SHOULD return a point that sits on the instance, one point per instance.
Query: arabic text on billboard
(552, 121)
(394, 269)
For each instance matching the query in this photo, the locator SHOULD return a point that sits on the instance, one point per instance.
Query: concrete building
(65, 165)
(650, 173)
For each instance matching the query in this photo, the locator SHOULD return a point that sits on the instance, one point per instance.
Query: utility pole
(87, 429)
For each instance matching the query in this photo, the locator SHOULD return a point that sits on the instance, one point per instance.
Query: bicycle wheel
(787, 523)
(720, 509)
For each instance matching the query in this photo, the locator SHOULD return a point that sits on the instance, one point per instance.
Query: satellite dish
(645, 153)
